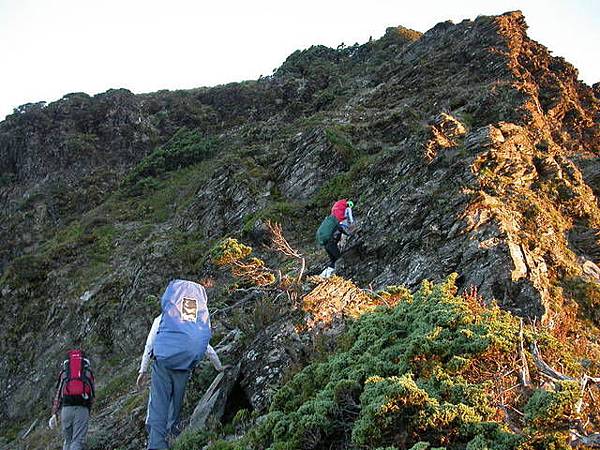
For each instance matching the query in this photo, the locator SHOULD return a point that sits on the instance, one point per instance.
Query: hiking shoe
(327, 272)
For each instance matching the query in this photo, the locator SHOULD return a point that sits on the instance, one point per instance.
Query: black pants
(331, 247)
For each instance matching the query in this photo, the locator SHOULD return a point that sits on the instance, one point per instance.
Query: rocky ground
(467, 149)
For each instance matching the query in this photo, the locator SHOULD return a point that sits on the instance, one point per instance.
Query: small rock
(6, 290)
(449, 125)
(483, 137)
(591, 270)
(520, 270)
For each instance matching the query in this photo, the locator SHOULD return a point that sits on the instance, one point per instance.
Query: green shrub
(417, 374)
(144, 186)
(280, 212)
(343, 185)
(549, 410)
(397, 381)
(81, 142)
(185, 148)
(342, 145)
(226, 445)
(28, 269)
(7, 178)
(193, 440)
(340, 186)
(189, 250)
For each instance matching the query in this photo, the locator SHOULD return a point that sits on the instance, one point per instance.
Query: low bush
(185, 148)
(428, 372)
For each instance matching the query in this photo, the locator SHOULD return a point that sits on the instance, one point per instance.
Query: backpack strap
(89, 379)
(88, 376)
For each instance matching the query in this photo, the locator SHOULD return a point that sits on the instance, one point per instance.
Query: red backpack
(339, 208)
(77, 379)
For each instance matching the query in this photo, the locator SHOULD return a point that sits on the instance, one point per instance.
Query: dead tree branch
(555, 375)
(544, 368)
(592, 441)
(524, 371)
(281, 245)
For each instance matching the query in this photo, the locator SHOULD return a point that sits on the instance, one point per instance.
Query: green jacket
(326, 229)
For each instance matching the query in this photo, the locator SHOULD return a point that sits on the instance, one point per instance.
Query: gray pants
(164, 405)
(74, 424)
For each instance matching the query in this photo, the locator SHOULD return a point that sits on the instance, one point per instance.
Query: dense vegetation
(435, 370)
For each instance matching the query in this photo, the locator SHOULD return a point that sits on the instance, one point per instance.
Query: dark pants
(331, 247)
(167, 388)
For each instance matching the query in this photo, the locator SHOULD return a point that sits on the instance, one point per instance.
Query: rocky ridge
(468, 149)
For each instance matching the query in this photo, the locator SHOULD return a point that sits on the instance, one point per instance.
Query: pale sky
(49, 48)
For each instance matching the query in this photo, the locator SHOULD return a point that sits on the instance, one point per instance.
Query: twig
(280, 242)
(511, 388)
(516, 410)
(30, 429)
(555, 375)
(592, 395)
(222, 346)
(524, 372)
(302, 268)
(514, 428)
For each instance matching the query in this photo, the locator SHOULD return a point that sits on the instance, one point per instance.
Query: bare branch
(524, 372)
(592, 441)
(584, 382)
(555, 375)
(251, 296)
(281, 245)
(507, 419)
(544, 368)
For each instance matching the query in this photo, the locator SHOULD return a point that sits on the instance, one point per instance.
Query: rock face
(467, 149)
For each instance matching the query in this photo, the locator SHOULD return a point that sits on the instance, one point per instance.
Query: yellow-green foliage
(229, 250)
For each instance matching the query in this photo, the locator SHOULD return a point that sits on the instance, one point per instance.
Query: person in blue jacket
(178, 340)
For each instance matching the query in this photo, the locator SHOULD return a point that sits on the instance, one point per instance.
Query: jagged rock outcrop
(467, 149)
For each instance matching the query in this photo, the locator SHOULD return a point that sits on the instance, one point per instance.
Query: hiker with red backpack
(73, 398)
(331, 230)
(342, 211)
(178, 340)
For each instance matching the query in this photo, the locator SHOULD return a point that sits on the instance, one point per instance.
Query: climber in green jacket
(328, 235)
